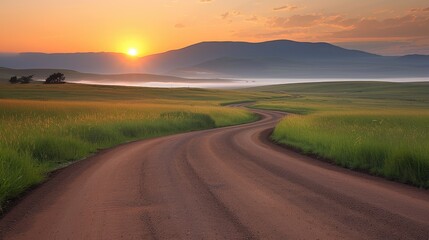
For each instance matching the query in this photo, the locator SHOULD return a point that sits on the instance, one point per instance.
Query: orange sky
(151, 26)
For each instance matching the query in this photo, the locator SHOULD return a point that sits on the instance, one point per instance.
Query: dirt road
(228, 183)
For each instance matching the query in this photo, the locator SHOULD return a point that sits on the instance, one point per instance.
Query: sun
(133, 52)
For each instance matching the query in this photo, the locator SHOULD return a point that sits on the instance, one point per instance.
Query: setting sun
(132, 52)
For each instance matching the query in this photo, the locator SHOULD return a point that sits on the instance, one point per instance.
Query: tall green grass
(37, 137)
(394, 144)
(385, 136)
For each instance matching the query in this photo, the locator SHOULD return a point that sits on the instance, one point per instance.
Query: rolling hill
(115, 79)
(273, 59)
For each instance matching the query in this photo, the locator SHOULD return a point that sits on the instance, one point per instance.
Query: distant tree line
(54, 78)
(23, 79)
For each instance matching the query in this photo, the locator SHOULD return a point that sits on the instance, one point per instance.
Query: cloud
(224, 15)
(407, 26)
(388, 47)
(286, 8)
(179, 25)
(312, 20)
(420, 10)
(229, 14)
(412, 24)
(385, 34)
(252, 18)
(338, 21)
(206, 1)
(307, 20)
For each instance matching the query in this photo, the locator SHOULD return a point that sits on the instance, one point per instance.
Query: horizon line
(201, 42)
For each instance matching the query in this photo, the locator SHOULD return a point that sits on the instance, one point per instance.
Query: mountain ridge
(234, 59)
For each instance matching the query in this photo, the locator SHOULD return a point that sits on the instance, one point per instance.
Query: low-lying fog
(239, 83)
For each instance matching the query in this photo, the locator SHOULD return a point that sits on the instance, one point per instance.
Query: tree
(26, 79)
(22, 80)
(14, 80)
(55, 78)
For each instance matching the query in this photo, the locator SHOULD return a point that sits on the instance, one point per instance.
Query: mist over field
(202, 64)
(240, 83)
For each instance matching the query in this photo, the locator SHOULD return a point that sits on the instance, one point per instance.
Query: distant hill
(75, 76)
(273, 59)
(105, 63)
(272, 51)
(284, 59)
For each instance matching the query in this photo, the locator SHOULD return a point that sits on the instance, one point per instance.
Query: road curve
(226, 183)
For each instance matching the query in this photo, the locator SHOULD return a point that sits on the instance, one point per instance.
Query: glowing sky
(382, 26)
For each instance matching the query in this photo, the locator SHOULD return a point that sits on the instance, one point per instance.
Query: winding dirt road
(228, 183)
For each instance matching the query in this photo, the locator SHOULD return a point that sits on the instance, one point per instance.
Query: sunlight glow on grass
(38, 136)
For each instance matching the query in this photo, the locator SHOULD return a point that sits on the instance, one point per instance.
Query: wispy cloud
(224, 15)
(406, 26)
(420, 9)
(285, 8)
(412, 24)
(306, 20)
(252, 18)
(229, 14)
(388, 47)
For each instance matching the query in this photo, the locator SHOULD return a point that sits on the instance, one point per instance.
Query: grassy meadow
(44, 127)
(382, 128)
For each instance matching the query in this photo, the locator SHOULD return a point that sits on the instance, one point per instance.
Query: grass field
(382, 128)
(43, 127)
